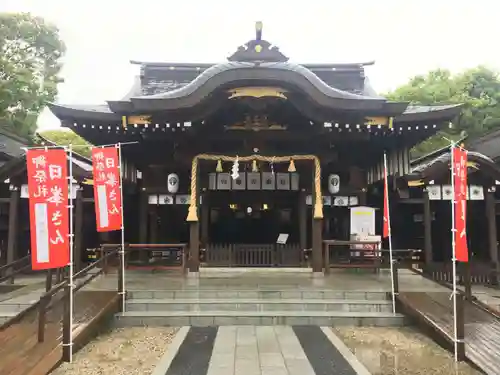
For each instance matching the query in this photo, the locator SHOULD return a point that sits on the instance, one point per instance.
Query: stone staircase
(278, 306)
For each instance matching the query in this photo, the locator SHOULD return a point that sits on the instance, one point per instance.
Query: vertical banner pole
(121, 290)
(71, 260)
(389, 237)
(454, 257)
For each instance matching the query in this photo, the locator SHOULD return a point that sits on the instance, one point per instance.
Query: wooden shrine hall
(228, 157)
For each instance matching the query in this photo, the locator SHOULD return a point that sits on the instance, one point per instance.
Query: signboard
(107, 195)
(48, 206)
(362, 220)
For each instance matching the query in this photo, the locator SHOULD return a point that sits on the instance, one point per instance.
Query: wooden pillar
(205, 219)
(78, 244)
(13, 227)
(302, 220)
(492, 233)
(194, 246)
(143, 222)
(153, 225)
(427, 229)
(317, 233)
(194, 232)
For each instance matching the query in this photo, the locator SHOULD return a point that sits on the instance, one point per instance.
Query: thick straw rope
(318, 199)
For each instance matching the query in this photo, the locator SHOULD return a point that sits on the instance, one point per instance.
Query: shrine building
(226, 157)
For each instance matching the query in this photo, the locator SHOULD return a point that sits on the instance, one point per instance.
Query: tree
(65, 137)
(478, 89)
(30, 52)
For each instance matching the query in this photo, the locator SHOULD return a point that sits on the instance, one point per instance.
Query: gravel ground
(121, 351)
(400, 351)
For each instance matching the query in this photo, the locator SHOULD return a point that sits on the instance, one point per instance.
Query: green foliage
(30, 50)
(67, 137)
(478, 89)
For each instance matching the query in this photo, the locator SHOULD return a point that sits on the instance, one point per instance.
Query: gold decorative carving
(255, 123)
(136, 119)
(257, 92)
(376, 120)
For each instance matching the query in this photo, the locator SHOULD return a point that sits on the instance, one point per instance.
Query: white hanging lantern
(173, 183)
(333, 183)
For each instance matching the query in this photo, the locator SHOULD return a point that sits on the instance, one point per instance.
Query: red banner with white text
(107, 195)
(386, 232)
(460, 198)
(48, 205)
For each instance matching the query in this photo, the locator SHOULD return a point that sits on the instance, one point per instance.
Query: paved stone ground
(250, 350)
(405, 351)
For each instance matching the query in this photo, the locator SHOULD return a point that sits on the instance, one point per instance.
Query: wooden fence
(253, 255)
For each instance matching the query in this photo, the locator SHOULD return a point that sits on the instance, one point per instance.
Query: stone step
(258, 305)
(6, 307)
(221, 318)
(257, 294)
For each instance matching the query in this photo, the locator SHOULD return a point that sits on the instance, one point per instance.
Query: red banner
(460, 198)
(107, 196)
(48, 202)
(386, 229)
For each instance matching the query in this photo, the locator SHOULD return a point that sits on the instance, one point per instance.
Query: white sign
(282, 238)
(362, 220)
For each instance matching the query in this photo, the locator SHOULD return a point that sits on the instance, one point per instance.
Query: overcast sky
(404, 37)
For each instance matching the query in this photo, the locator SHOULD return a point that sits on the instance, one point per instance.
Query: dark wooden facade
(261, 107)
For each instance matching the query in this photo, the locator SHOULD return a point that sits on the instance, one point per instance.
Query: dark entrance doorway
(244, 226)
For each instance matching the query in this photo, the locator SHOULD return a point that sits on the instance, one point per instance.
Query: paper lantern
(173, 183)
(333, 183)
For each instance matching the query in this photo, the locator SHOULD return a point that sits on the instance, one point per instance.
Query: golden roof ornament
(258, 50)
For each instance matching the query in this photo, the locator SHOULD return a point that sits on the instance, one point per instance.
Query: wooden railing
(173, 255)
(252, 255)
(10, 270)
(480, 273)
(59, 293)
(340, 254)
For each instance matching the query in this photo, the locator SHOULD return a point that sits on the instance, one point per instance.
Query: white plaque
(182, 199)
(294, 181)
(223, 181)
(239, 183)
(447, 192)
(268, 181)
(341, 201)
(476, 193)
(283, 181)
(253, 181)
(212, 181)
(353, 201)
(434, 192)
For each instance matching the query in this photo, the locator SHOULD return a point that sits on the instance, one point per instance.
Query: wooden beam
(77, 258)
(194, 231)
(143, 222)
(317, 234)
(15, 196)
(205, 219)
(427, 229)
(492, 231)
(302, 220)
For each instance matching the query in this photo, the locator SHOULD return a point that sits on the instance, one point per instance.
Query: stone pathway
(257, 350)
